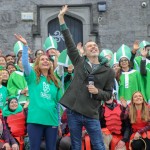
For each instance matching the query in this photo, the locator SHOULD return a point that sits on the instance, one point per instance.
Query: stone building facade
(123, 21)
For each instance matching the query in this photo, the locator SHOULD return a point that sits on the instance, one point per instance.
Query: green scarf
(6, 112)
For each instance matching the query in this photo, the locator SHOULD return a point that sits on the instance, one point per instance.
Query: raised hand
(63, 11)
(61, 14)
(80, 48)
(135, 46)
(70, 68)
(20, 38)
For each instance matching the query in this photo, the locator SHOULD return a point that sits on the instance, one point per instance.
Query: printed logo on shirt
(46, 90)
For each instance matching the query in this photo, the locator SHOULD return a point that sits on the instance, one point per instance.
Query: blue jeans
(37, 131)
(75, 122)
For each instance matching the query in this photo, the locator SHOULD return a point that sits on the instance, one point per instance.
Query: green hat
(64, 59)
(50, 43)
(18, 47)
(123, 51)
(114, 60)
(106, 52)
(143, 44)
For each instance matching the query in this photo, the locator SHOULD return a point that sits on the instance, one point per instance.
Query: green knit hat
(64, 59)
(143, 44)
(114, 60)
(50, 43)
(18, 47)
(106, 52)
(123, 51)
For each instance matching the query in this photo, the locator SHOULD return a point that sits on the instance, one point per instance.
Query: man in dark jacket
(82, 99)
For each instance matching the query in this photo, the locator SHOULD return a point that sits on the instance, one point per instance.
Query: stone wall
(122, 23)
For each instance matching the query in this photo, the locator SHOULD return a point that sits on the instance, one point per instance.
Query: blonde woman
(44, 95)
(139, 114)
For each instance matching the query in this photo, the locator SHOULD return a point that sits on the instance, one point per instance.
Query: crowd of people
(82, 98)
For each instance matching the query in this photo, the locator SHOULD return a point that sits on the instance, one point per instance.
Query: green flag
(64, 59)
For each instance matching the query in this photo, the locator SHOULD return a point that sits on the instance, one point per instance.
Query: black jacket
(77, 97)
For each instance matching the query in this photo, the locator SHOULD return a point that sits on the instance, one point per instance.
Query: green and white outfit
(16, 84)
(129, 83)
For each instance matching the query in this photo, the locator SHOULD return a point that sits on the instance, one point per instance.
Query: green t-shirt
(44, 97)
(3, 96)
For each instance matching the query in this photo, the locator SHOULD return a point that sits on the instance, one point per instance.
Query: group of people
(99, 101)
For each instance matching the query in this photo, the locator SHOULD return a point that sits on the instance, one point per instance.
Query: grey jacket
(77, 96)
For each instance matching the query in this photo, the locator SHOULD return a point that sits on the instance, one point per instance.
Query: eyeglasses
(123, 60)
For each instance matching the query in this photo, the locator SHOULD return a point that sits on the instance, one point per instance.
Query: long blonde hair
(50, 75)
(133, 110)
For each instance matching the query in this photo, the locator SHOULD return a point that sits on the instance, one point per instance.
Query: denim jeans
(37, 131)
(75, 122)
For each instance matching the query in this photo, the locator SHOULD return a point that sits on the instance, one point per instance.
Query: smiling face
(137, 98)
(10, 59)
(124, 62)
(44, 62)
(13, 104)
(116, 67)
(2, 62)
(11, 68)
(5, 75)
(91, 49)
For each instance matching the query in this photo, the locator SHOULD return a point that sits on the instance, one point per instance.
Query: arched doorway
(75, 26)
